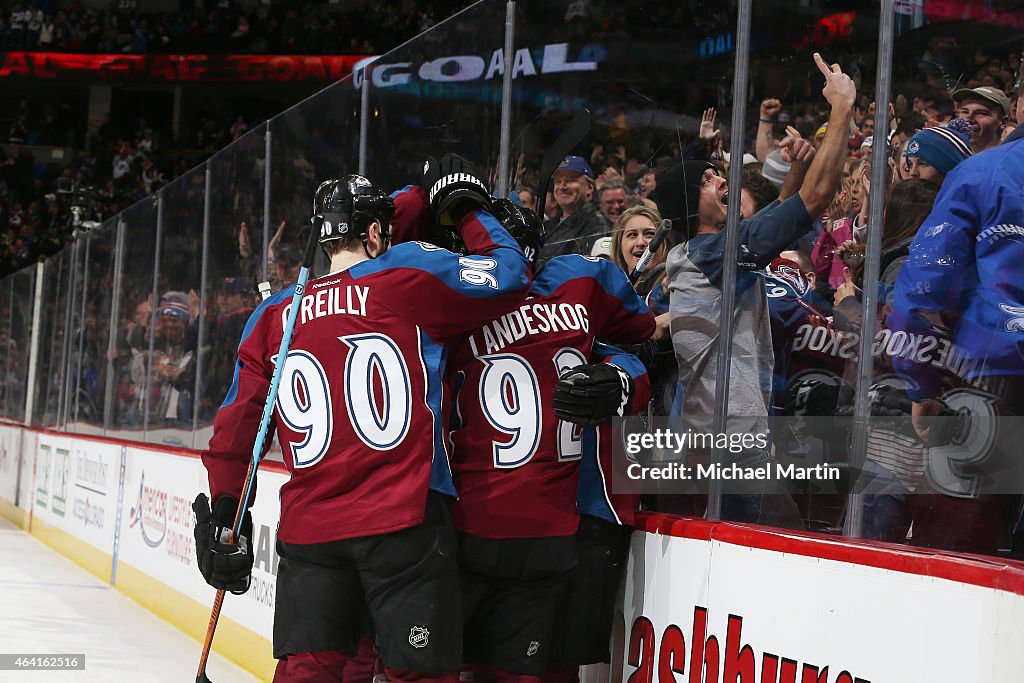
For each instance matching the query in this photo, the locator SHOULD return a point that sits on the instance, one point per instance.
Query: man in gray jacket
(695, 270)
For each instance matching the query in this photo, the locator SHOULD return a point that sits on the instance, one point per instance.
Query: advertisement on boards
(699, 611)
(156, 535)
(76, 487)
(10, 442)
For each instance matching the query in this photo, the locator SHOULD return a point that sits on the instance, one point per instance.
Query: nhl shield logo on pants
(419, 636)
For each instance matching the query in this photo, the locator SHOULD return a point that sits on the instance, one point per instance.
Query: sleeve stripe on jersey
(613, 281)
(613, 354)
(498, 234)
(432, 358)
(434, 261)
(395, 194)
(250, 325)
(592, 490)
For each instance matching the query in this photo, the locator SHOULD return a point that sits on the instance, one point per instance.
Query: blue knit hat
(175, 304)
(942, 147)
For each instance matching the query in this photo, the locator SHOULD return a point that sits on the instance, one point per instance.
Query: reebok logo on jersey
(455, 178)
(533, 648)
(419, 637)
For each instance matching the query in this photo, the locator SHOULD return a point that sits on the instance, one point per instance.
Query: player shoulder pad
(562, 269)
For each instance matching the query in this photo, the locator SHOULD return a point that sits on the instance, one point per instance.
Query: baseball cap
(175, 304)
(869, 141)
(576, 164)
(602, 247)
(235, 285)
(987, 93)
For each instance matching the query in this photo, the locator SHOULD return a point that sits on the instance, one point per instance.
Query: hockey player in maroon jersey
(515, 463)
(359, 421)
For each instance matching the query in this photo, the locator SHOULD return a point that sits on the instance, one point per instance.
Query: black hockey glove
(224, 565)
(890, 409)
(812, 397)
(593, 393)
(454, 187)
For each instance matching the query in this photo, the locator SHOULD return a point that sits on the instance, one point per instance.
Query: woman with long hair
(631, 234)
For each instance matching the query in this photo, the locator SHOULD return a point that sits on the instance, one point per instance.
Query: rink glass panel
(646, 72)
(171, 376)
(434, 95)
(906, 495)
(92, 310)
(9, 389)
(313, 141)
(134, 324)
(18, 292)
(781, 67)
(236, 198)
(54, 329)
(8, 349)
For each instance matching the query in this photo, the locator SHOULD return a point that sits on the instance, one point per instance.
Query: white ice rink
(49, 605)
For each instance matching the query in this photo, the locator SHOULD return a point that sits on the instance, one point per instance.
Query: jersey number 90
(305, 406)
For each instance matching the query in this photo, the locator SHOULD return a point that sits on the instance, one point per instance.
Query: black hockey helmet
(347, 206)
(523, 224)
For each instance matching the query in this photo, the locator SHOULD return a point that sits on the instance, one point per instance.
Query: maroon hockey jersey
(516, 465)
(358, 413)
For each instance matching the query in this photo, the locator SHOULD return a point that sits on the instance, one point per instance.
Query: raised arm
(770, 108)
(827, 168)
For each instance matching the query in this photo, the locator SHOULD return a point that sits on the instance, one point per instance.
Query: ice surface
(49, 605)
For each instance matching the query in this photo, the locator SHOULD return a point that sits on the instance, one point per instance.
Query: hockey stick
(574, 134)
(261, 435)
(652, 248)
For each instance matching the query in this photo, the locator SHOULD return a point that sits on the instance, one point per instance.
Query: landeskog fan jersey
(358, 414)
(516, 464)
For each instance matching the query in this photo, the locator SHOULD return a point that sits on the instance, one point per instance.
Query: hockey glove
(224, 565)
(454, 187)
(812, 397)
(593, 393)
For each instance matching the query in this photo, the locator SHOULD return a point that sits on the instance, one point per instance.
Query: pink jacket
(826, 264)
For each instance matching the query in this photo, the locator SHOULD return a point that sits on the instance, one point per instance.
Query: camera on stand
(83, 203)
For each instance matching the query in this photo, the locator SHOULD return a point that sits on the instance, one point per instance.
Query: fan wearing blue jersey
(962, 281)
